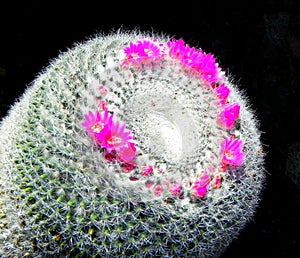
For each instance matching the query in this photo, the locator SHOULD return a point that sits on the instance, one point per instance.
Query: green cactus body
(61, 197)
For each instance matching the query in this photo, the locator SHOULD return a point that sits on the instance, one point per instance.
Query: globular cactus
(131, 144)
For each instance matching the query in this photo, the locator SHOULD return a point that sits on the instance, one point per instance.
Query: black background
(258, 42)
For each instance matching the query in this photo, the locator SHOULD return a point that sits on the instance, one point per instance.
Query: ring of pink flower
(117, 142)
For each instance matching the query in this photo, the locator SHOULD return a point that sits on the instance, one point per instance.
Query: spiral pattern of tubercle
(58, 199)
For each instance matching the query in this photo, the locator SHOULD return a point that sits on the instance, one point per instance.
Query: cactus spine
(61, 196)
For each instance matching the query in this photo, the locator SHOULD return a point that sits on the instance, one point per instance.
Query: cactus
(194, 175)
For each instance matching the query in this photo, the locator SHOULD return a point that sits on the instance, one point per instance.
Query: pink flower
(222, 93)
(127, 152)
(199, 187)
(113, 136)
(231, 151)
(143, 49)
(228, 115)
(176, 48)
(184, 53)
(148, 184)
(95, 122)
(146, 170)
(175, 189)
(208, 68)
(216, 181)
(157, 190)
(102, 90)
(221, 167)
(200, 62)
(127, 167)
(102, 104)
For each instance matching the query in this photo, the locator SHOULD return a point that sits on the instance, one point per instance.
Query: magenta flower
(222, 93)
(200, 62)
(143, 49)
(175, 189)
(111, 136)
(102, 90)
(151, 48)
(216, 182)
(208, 68)
(221, 167)
(102, 104)
(133, 52)
(95, 122)
(176, 48)
(149, 184)
(157, 190)
(232, 151)
(146, 170)
(127, 167)
(184, 53)
(114, 137)
(199, 187)
(127, 152)
(228, 115)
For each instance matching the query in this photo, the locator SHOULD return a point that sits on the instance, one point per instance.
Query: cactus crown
(129, 144)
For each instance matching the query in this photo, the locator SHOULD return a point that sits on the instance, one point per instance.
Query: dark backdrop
(256, 41)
